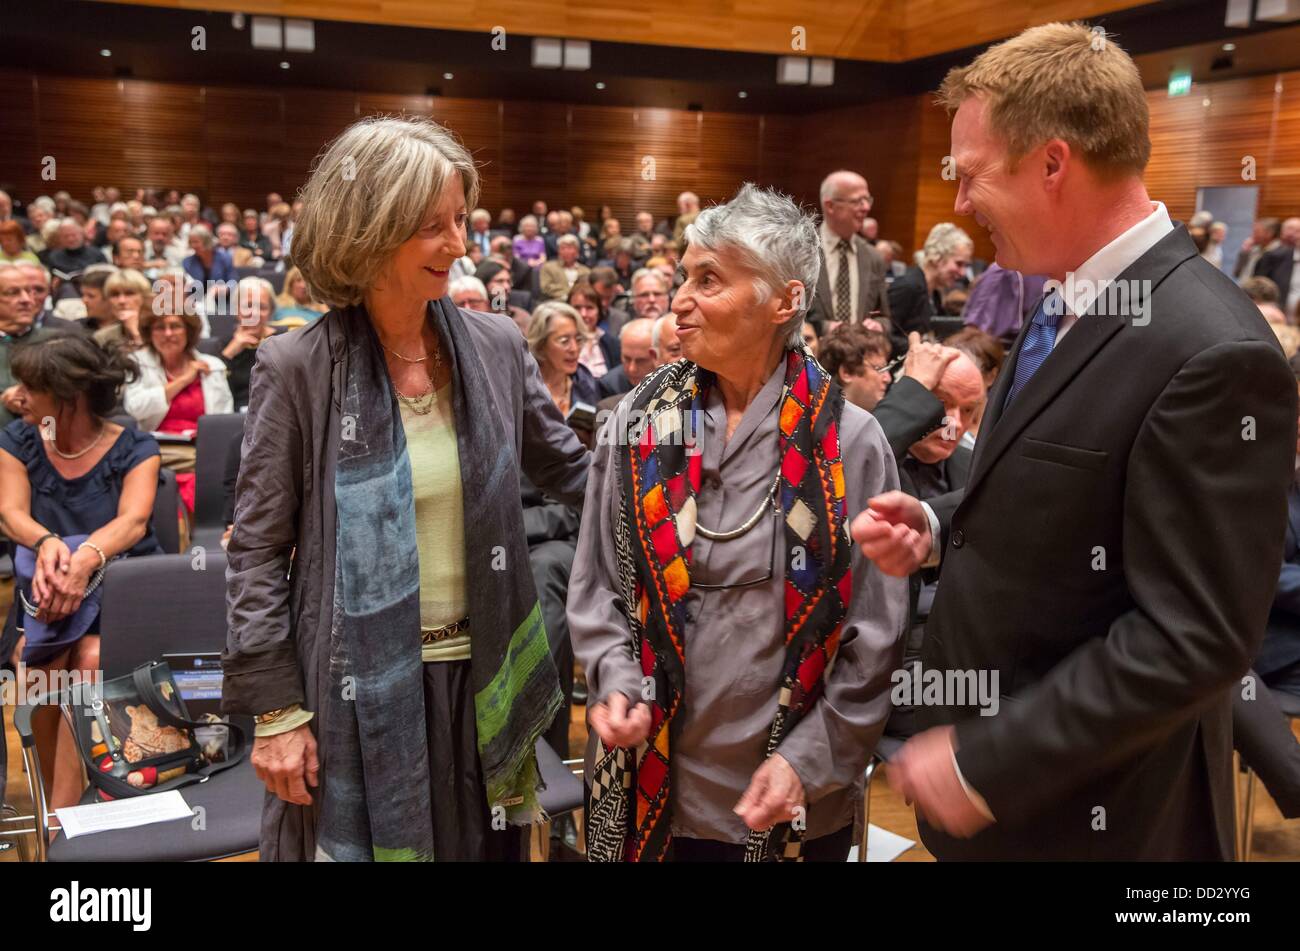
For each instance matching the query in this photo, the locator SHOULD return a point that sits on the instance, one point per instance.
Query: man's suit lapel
(1086, 338)
(866, 281)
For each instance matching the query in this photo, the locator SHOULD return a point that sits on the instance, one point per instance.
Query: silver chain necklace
(749, 523)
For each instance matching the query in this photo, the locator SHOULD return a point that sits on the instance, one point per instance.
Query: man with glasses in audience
(851, 284)
(649, 294)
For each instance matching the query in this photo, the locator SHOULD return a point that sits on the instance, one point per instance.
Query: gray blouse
(735, 640)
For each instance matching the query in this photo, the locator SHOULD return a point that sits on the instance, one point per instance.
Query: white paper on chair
(882, 845)
(123, 813)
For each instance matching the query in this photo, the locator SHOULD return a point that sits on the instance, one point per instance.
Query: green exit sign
(1180, 83)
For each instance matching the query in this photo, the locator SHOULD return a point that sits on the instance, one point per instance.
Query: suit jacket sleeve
(907, 413)
(1204, 517)
(878, 299)
(907, 305)
(554, 284)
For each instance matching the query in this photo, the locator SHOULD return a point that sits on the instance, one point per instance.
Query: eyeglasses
(650, 295)
(566, 340)
(866, 201)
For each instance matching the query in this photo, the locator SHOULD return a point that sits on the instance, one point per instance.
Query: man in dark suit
(1282, 266)
(1112, 557)
(851, 280)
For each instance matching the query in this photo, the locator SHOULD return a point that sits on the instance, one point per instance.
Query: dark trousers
(551, 562)
(828, 848)
(463, 826)
(1262, 735)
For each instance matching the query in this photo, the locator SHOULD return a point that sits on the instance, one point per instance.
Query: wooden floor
(1276, 839)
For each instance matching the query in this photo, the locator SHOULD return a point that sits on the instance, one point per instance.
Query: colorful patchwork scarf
(376, 790)
(630, 814)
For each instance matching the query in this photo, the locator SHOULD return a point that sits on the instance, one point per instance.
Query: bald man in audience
(664, 345)
(634, 341)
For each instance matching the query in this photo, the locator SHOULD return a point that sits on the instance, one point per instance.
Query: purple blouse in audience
(530, 249)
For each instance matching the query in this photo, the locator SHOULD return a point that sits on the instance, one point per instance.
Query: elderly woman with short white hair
(917, 296)
(208, 264)
(254, 305)
(383, 624)
(737, 646)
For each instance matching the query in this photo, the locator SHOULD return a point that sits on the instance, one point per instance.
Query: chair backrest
(125, 420)
(521, 299)
(212, 346)
(161, 604)
(275, 277)
(216, 432)
(221, 326)
(166, 512)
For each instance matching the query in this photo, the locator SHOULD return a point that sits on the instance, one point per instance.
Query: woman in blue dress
(66, 471)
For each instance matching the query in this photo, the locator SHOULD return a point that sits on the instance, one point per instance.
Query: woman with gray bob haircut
(383, 625)
(738, 648)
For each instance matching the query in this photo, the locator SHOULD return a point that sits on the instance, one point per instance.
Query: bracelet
(103, 560)
(44, 538)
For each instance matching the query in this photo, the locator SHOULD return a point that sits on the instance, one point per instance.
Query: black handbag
(137, 738)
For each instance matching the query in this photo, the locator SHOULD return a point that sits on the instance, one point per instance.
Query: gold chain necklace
(422, 403)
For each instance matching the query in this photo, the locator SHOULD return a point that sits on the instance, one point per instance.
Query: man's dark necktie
(843, 295)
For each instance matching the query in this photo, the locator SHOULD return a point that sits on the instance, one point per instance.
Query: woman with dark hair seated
(77, 490)
(600, 352)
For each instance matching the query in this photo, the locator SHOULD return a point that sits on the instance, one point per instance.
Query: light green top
(439, 522)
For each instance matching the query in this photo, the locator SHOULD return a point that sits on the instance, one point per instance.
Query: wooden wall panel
(80, 127)
(535, 150)
(668, 161)
(20, 159)
(603, 156)
(733, 155)
(161, 135)
(312, 119)
(1280, 178)
(478, 124)
(243, 138)
(852, 29)
(936, 195)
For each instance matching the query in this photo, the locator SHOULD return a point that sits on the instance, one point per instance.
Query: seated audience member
(129, 296)
(558, 276)
(600, 351)
(18, 311)
(252, 240)
(161, 247)
(116, 230)
(916, 296)
(38, 216)
(665, 345)
(176, 385)
(988, 355)
(277, 227)
(934, 466)
(74, 254)
(480, 232)
(469, 293)
(1261, 290)
(294, 306)
(858, 361)
(891, 253)
(529, 246)
(51, 239)
(13, 244)
(954, 302)
(129, 253)
(636, 358)
(507, 221)
(254, 303)
(503, 252)
(614, 302)
(649, 294)
(99, 313)
(555, 338)
(1001, 301)
(208, 265)
(82, 475)
(228, 241)
(1260, 731)
(498, 284)
(811, 339)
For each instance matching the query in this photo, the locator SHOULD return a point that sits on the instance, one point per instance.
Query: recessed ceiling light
(105, 52)
(1229, 47)
(1205, 102)
(284, 65)
(600, 85)
(448, 76)
(742, 95)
